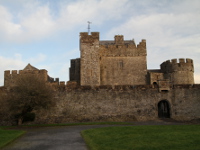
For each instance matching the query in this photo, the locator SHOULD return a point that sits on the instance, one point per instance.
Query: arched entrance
(163, 109)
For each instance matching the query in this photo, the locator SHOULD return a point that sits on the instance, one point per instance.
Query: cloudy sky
(45, 33)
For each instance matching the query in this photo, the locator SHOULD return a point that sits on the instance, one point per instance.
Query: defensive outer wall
(123, 103)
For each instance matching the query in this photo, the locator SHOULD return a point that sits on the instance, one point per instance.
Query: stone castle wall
(138, 103)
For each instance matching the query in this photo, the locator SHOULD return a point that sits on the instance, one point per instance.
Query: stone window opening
(121, 64)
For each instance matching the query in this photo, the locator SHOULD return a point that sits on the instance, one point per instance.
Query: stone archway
(163, 109)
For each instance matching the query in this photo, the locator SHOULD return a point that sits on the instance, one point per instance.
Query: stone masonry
(122, 62)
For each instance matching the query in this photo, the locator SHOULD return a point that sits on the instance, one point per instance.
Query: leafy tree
(29, 93)
(4, 110)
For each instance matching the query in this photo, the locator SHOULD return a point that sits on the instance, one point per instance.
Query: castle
(111, 82)
(118, 62)
(121, 62)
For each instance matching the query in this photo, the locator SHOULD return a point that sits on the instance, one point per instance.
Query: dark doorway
(163, 109)
(155, 85)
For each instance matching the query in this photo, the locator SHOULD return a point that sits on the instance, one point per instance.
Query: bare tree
(29, 93)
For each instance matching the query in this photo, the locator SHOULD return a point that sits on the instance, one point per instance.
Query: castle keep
(122, 62)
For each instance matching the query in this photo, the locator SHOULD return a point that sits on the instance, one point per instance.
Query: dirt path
(61, 138)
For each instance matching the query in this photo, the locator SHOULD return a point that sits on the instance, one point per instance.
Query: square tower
(89, 65)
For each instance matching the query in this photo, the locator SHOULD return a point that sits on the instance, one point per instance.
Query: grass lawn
(7, 136)
(163, 137)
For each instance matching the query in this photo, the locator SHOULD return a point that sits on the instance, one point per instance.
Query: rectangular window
(121, 64)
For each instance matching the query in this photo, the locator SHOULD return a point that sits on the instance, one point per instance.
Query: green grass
(173, 137)
(7, 136)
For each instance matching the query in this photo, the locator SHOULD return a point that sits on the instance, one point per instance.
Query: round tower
(179, 71)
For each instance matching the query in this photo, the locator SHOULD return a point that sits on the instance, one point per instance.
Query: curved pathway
(60, 138)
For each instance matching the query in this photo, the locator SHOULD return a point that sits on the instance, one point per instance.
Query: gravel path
(61, 138)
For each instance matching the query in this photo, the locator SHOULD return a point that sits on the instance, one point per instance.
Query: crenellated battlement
(122, 48)
(180, 64)
(87, 38)
(50, 79)
(142, 44)
(180, 60)
(17, 72)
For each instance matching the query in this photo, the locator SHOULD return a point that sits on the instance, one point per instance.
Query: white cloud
(7, 27)
(38, 24)
(36, 20)
(33, 22)
(79, 12)
(11, 63)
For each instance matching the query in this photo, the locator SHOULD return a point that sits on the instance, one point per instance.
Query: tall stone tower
(90, 65)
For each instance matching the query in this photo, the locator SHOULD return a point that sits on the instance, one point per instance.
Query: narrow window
(121, 65)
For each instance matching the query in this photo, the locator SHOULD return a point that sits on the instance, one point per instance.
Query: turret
(180, 71)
